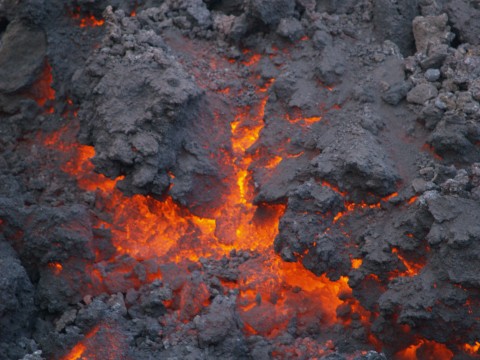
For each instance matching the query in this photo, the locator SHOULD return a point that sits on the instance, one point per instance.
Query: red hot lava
(271, 292)
(145, 228)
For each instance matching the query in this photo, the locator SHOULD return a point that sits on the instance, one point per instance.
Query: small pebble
(432, 75)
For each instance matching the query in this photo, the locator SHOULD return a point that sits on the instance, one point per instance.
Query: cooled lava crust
(239, 179)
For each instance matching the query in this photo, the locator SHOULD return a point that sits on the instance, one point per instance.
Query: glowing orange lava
(86, 21)
(356, 263)
(78, 350)
(472, 349)
(42, 90)
(412, 268)
(429, 148)
(425, 350)
(271, 292)
(56, 267)
(412, 200)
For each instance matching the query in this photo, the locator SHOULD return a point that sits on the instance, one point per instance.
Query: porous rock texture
(372, 107)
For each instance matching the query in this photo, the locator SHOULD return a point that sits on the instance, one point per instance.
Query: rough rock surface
(22, 56)
(136, 130)
(368, 159)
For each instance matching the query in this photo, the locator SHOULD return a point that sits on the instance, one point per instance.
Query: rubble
(344, 137)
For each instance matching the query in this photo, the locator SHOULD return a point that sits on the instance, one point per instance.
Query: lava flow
(272, 292)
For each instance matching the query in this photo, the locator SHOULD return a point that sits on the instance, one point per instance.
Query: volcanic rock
(270, 12)
(16, 302)
(432, 75)
(421, 93)
(391, 19)
(141, 100)
(396, 93)
(352, 162)
(22, 56)
(429, 31)
(219, 322)
(290, 28)
(465, 18)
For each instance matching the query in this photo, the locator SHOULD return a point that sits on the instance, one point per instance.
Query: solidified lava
(239, 179)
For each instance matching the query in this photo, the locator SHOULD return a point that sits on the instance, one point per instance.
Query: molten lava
(425, 349)
(272, 292)
(87, 20)
(42, 90)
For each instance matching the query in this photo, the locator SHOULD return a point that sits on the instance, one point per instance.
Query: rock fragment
(422, 93)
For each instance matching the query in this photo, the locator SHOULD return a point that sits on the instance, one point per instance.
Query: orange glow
(312, 120)
(334, 188)
(429, 148)
(86, 21)
(56, 267)
(78, 350)
(286, 290)
(91, 21)
(356, 263)
(273, 162)
(472, 349)
(350, 207)
(297, 117)
(391, 196)
(412, 200)
(76, 353)
(412, 268)
(271, 291)
(293, 156)
(224, 91)
(42, 89)
(254, 59)
(425, 349)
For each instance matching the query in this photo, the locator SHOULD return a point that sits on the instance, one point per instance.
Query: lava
(425, 349)
(78, 350)
(412, 268)
(42, 90)
(87, 20)
(56, 267)
(92, 347)
(272, 292)
(472, 349)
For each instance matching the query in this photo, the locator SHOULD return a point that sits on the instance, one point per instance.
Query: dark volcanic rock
(351, 160)
(393, 22)
(56, 234)
(22, 55)
(328, 142)
(138, 99)
(16, 302)
(270, 12)
(219, 322)
(421, 93)
(430, 31)
(465, 18)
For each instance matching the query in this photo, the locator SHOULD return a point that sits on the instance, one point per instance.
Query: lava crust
(239, 179)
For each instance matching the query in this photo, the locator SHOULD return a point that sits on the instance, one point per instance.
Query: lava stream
(272, 292)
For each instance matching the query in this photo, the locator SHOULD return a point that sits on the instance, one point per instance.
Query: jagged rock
(392, 21)
(430, 31)
(396, 93)
(270, 12)
(138, 109)
(352, 162)
(290, 28)
(465, 17)
(22, 55)
(432, 75)
(16, 296)
(421, 93)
